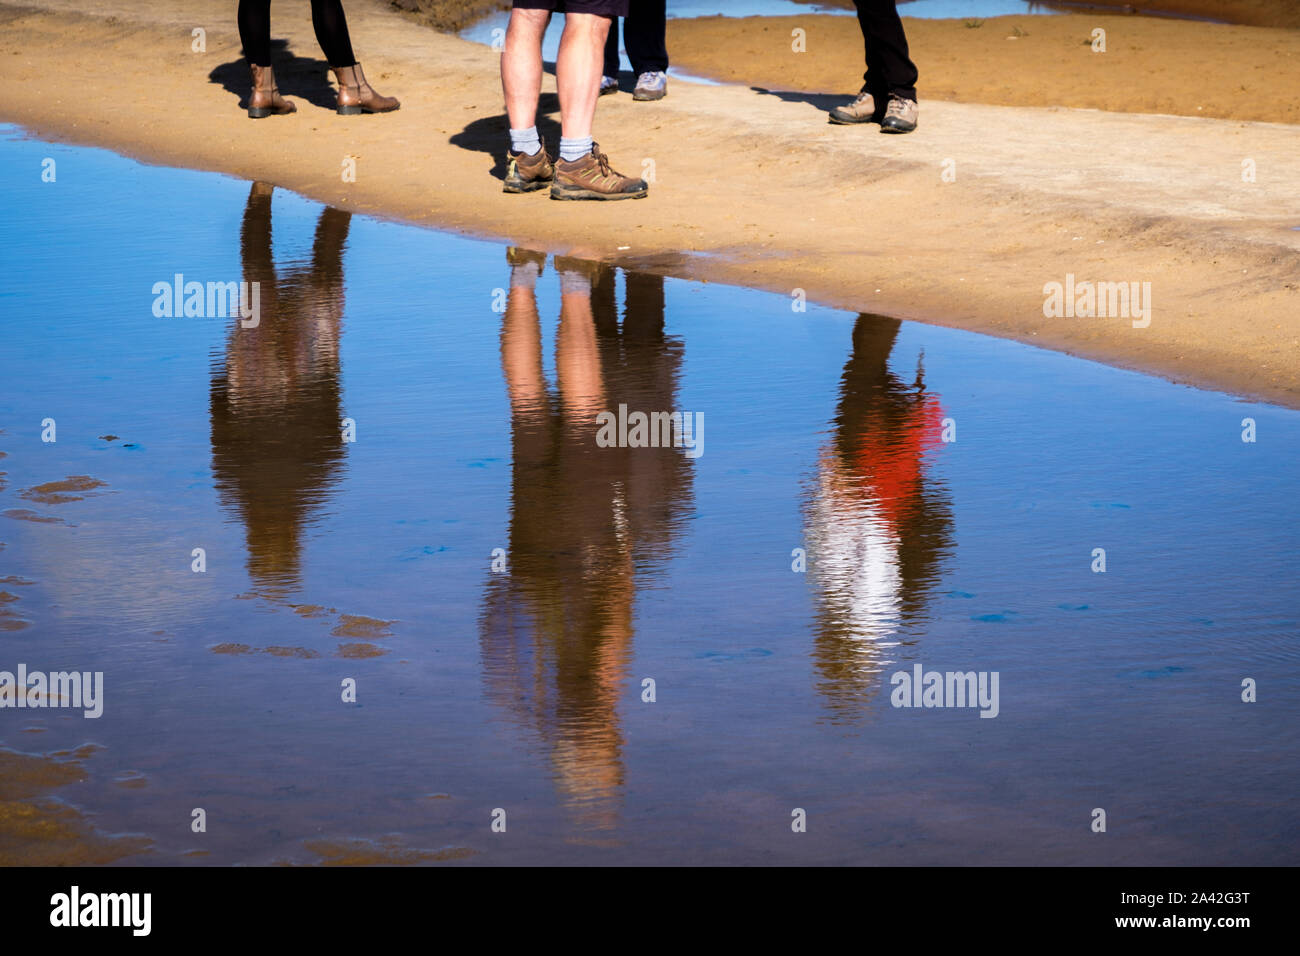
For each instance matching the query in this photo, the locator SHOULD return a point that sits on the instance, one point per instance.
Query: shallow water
(472, 395)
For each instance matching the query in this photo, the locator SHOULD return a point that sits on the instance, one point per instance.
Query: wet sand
(36, 829)
(753, 187)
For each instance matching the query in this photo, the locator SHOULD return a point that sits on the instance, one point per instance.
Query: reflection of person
(877, 529)
(355, 94)
(582, 170)
(888, 95)
(644, 32)
(275, 401)
(587, 523)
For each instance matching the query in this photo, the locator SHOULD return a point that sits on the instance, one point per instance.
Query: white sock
(571, 281)
(525, 141)
(525, 274)
(575, 148)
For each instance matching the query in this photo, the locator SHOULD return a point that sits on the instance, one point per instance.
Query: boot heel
(349, 111)
(258, 112)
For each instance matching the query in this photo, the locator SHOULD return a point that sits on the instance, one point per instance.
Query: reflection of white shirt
(853, 556)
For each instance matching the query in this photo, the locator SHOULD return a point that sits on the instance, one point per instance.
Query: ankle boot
(358, 96)
(265, 98)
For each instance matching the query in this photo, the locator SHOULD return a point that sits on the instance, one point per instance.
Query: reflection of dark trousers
(643, 38)
(889, 68)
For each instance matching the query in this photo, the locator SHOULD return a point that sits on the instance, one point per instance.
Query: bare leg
(577, 360)
(521, 352)
(578, 69)
(521, 65)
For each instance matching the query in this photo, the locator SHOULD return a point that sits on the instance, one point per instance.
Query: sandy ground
(1149, 65)
(750, 187)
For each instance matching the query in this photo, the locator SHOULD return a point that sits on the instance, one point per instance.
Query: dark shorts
(602, 8)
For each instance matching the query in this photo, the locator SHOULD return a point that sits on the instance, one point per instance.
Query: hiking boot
(592, 178)
(525, 174)
(265, 98)
(358, 96)
(651, 86)
(516, 256)
(588, 269)
(861, 110)
(608, 84)
(900, 117)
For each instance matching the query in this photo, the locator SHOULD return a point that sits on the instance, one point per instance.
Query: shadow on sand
(300, 77)
(491, 134)
(821, 101)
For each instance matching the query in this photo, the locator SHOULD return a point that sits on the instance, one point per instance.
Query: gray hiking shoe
(900, 117)
(651, 86)
(861, 110)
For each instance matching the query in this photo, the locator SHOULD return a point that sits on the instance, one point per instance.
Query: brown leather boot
(358, 96)
(265, 98)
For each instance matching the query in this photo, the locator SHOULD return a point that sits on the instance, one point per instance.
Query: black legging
(326, 16)
(643, 36)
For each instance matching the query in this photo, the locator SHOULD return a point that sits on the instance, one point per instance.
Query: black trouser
(326, 16)
(889, 68)
(643, 36)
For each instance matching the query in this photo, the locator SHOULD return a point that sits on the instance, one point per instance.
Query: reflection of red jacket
(889, 458)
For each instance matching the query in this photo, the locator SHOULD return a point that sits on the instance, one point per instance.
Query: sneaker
(592, 178)
(525, 173)
(651, 86)
(900, 117)
(608, 84)
(861, 110)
